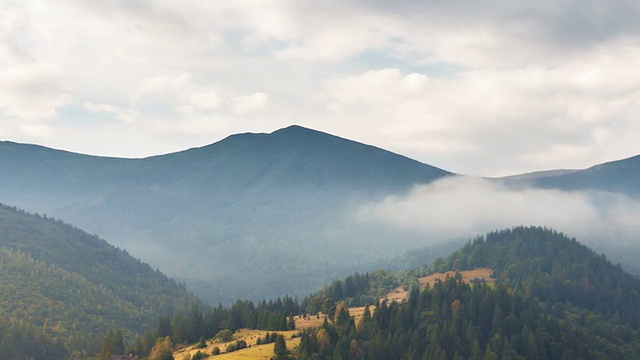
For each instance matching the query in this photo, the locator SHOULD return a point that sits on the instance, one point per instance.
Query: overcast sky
(476, 87)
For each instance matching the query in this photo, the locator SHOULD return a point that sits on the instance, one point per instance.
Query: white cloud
(461, 207)
(242, 105)
(32, 92)
(205, 100)
(528, 115)
(38, 131)
(447, 83)
(125, 115)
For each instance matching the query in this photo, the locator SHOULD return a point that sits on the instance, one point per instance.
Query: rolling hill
(74, 285)
(553, 298)
(234, 219)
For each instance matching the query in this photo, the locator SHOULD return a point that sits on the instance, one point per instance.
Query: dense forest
(74, 287)
(556, 270)
(554, 299)
(68, 294)
(196, 324)
(454, 320)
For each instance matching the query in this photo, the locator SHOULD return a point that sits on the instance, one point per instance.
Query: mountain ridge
(235, 207)
(617, 176)
(255, 198)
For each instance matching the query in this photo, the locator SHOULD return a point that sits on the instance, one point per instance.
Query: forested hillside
(76, 286)
(554, 299)
(555, 269)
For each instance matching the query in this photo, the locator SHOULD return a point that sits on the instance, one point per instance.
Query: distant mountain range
(621, 176)
(251, 216)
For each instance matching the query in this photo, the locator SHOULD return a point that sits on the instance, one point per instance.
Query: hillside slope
(552, 267)
(234, 209)
(75, 285)
(553, 299)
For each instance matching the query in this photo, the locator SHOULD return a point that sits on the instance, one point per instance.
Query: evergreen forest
(66, 294)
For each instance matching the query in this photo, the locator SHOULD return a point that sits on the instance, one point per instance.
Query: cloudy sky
(476, 87)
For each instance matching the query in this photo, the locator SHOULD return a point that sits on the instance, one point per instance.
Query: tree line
(454, 320)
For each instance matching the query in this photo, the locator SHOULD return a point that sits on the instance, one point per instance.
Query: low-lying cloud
(462, 207)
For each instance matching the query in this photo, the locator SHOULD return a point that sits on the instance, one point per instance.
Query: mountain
(615, 176)
(553, 298)
(251, 216)
(538, 175)
(76, 286)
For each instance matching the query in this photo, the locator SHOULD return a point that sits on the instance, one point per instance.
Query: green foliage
(199, 355)
(268, 338)
(163, 350)
(280, 351)
(20, 340)
(457, 320)
(221, 322)
(112, 344)
(356, 290)
(557, 270)
(534, 311)
(238, 345)
(76, 286)
(224, 335)
(201, 343)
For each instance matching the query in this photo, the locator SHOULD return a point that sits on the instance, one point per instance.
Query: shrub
(199, 355)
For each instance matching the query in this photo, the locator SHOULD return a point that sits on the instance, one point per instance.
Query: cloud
(444, 82)
(249, 103)
(462, 207)
(528, 115)
(30, 93)
(125, 115)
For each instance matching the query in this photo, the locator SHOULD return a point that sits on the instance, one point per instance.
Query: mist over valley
(260, 215)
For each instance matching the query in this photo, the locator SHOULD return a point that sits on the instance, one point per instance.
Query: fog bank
(463, 207)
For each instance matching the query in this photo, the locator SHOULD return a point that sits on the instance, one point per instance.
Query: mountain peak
(298, 131)
(293, 128)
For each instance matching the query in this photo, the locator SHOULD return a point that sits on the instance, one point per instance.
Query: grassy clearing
(311, 321)
(399, 294)
(254, 351)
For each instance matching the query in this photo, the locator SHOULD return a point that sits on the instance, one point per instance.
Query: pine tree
(112, 344)
(280, 351)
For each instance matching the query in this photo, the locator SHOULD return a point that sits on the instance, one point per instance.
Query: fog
(458, 207)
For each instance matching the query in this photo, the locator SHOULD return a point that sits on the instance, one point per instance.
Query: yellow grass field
(399, 294)
(311, 321)
(253, 352)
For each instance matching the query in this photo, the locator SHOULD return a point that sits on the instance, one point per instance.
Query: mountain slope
(75, 285)
(255, 208)
(554, 268)
(615, 176)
